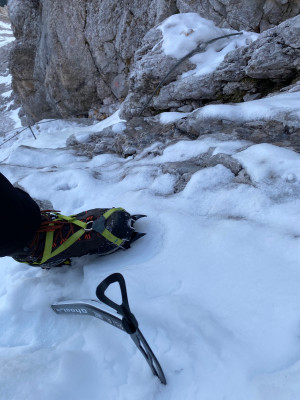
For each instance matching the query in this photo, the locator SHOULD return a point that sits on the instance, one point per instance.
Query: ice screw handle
(129, 321)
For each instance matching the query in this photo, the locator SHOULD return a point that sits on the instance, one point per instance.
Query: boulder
(266, 65)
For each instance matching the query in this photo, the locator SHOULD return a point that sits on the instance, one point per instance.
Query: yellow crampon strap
(106, 233)
(48, 253)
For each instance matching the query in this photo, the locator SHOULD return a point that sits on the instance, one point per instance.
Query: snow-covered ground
(214, 284)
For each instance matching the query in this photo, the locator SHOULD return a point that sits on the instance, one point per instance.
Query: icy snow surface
(265, 108)
(214, 284)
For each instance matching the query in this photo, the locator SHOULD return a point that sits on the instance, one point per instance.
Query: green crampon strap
(48, 253)
(106, 233)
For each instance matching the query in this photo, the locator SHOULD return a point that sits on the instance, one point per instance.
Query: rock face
(6, 95)
(71, 56)
(252, 15)
(269, 64)
(281, 130)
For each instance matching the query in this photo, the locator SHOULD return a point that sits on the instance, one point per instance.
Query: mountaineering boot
(97, 231)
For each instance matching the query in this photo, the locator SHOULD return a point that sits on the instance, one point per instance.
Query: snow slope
(214, 284)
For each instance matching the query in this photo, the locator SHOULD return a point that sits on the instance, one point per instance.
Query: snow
(278, 163)
(112, 120)
(82, 135)
(5, 40)
(7, 94)
(214, 284)
(265, 108)
(4, 26)
(119, 127)
(182, 33)
(6, 80)
(281, 106)
(187, 149)
(14, 116)
(6, 36)
(172, 116)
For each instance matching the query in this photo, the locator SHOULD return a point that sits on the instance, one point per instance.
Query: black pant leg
(20, 218)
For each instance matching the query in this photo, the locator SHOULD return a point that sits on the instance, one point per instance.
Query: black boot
(106, 231)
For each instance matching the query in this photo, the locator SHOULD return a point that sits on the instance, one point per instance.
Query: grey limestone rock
(253, 15)
(139, 134)
(6, 96)
(146, 137)
(281, 130)
(149, 67)
(267, 65)
(71, 56)
(185, 169)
